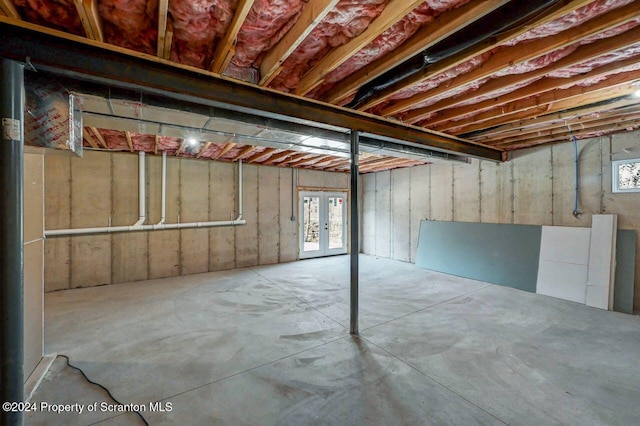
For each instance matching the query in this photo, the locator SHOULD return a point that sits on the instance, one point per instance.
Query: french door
(323, 223)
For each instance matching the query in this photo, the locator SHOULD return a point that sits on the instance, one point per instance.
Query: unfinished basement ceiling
(507, 74)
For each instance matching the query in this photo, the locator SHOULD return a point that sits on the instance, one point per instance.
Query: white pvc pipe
(160, 226)
(164, 188)
(142, 190)
(239, 190)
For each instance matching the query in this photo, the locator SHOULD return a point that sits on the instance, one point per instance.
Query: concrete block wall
(536, 187)
(102, 188)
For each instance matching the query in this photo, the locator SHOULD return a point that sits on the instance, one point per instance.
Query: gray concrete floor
(269, 345)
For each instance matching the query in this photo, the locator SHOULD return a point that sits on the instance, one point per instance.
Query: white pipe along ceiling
(139, 225)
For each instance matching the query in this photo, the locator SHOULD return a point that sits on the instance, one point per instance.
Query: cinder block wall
(91, 191)
(536, 187)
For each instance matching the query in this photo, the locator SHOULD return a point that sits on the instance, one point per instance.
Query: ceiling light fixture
(192, 142)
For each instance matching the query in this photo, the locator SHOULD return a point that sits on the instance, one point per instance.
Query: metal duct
(511, 15)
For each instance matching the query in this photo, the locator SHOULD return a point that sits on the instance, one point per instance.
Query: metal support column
(11, 239)
(354, 235)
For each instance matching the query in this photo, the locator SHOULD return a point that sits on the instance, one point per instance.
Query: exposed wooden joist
(98, 136)
(294, 159)
(165, 31)
(226, 46)
(388, 163)
(580, 121)
(328, 162)
(579, 133)
(181, 148)
(560, 130)
(544, 98)
(203, 149)
(155, 144)
(533, 89)
(312, 14)
(9, 9)
(443, 26)
(314, 160)
(394, 11)
(261, 155)
(507, 57)
(89, 138)
(449, 63)
(81, 59)
(562, 105)
(531, 124)
(244, 152)
(277, 157)
(90, 18)
(129, 141)
(226, 148)
(582, 54)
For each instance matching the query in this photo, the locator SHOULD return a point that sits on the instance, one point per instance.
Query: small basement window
(626, 175)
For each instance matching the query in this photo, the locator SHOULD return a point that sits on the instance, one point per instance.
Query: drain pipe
(164, 188)
(142, 190)
(159, 226)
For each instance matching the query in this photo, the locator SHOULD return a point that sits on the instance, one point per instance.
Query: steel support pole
(11, 239)
(354, 234)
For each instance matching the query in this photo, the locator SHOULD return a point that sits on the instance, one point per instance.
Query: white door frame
(323, 235)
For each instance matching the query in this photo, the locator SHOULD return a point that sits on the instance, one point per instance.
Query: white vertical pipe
(164, 188)
(239, 190)
(142, 190)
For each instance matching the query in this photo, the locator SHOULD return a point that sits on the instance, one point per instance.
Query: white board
(564, 260)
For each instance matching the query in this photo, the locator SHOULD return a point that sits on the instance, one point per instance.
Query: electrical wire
(101, 386)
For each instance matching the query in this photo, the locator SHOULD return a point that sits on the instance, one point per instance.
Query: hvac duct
(514, 13)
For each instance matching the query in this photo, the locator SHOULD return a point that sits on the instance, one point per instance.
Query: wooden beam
(226, 148)
(90, 18)
(155, 145)
(259, 156)
(203, 149)
(530, 124)
(226, 46)
(165, 33)
(328, 162)
(580, 121)
(294, 159)
(582, 54)
(578, 133)
(9, 9)
(544, 98)
(387, 163)
(181, 148)
(312, 161)
(393, 12)
(89, 137)
(561, 129)
(443, 26)
(312, 14)
(244, 152)
(99, 136)
(562, 105)
(129, 141)
(504, 54)
(533, 89)
(277, 157)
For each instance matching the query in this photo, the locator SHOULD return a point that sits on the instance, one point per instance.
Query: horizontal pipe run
(134, 228)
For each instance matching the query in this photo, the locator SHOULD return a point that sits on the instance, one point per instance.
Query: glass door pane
(311, 223)
(336, 222)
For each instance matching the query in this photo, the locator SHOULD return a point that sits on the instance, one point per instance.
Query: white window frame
(615, 178)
